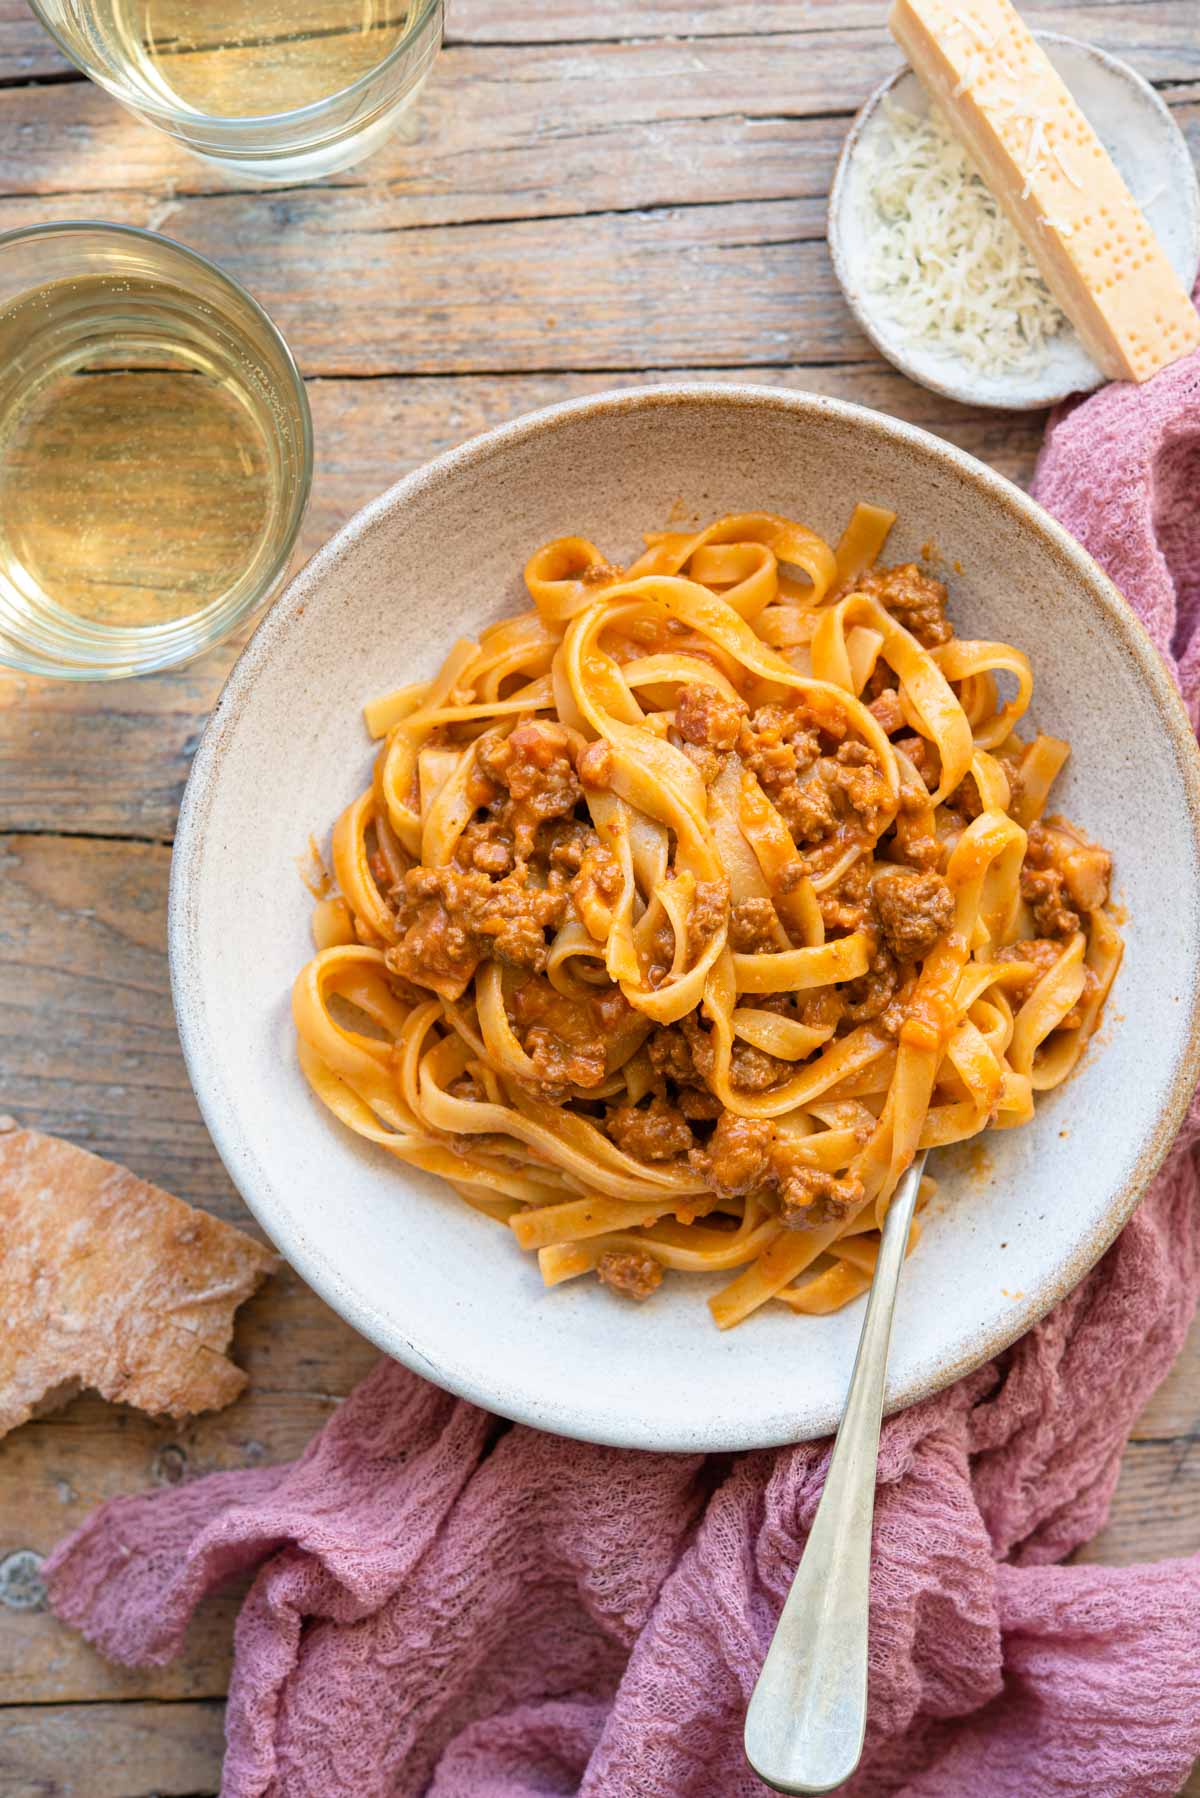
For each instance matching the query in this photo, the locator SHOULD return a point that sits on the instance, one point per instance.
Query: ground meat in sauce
(1043, 891)
(821, 1008)
(809, 1197)
(915, 846)
(706, 762)
(709, 914)
(598, 574)
(914, 599)
(861, 779)
(780, 748)
(847, 904)
(594, 765)
(535, 766)
(596, 886)
(867, 997)
(467, 1087)
(892, 1017)
(705, 717)
(753, 925)
(567, 1039)
(882, 679)
(813, 792)
(965, 799)
(736, 1160)
(1085, 867)
(697, 1104)
(653, 1132)
(924, 757)
(452, 920)
(671, 1059)
(683, 1053)
(1042, 952)
(486, 847)
(888, 711)
(658, 953)
(750, 1070)
(670, 1056)
(1010, 756)
(630, 1271)
(914, 909)
(565, 845)
(748, 1155)
(807, 809)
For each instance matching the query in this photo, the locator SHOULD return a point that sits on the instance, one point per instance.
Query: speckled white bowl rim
(873, 321)
(789, 1422)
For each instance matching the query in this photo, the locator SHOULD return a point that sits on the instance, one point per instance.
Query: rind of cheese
(1053, 178)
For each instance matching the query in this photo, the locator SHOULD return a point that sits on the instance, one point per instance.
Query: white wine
(138, 478)
(230, 60)
(272, 90)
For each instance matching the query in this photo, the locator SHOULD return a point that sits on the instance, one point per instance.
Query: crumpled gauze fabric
(446, 1605)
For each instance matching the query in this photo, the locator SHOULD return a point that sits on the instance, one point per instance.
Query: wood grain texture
(597, 197)
(744, 283)
(1148, 33)
(618, 126)
(137, 1750)
(1156, 1508)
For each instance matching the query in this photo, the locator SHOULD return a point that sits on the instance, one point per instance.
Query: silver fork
(808, 1713)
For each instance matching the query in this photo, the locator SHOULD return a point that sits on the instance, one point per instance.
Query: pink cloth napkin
(447, 1605)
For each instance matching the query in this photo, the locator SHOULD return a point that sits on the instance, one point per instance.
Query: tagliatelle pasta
(684, 908)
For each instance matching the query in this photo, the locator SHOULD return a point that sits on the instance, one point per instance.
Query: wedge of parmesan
(1053, 179)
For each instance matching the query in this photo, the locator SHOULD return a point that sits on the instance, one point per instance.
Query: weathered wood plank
(1156, 1508)
(644, 124)
(42, 1662)
(82, 941)
(1174, 1410)
(1163, 25)
(620, 126)
(685, 283)
(1151, 34)
(57, 1469)
(112, 1751)
(719, 285)
(113, 760)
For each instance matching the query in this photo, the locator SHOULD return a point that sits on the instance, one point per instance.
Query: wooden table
(599, 195)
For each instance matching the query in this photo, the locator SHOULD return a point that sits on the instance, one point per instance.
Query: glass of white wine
(155, 452)
(275, 91)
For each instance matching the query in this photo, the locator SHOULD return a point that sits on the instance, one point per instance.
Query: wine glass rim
(215, 122)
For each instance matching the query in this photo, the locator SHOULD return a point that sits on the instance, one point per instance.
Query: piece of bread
(109, 1283)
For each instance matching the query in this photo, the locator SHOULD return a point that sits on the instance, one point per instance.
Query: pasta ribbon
(685, 907)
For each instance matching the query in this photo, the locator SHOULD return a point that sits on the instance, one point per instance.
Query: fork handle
(808, 1714)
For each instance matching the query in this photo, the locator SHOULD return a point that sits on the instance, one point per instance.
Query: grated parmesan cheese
(941, 257)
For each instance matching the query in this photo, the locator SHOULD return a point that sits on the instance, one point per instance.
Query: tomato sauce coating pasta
(685, 907)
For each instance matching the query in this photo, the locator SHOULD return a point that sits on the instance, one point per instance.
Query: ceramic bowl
(1149, 151)
(399, 1255)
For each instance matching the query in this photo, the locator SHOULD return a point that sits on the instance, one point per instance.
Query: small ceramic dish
(1152, 157)
(395, 1251)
